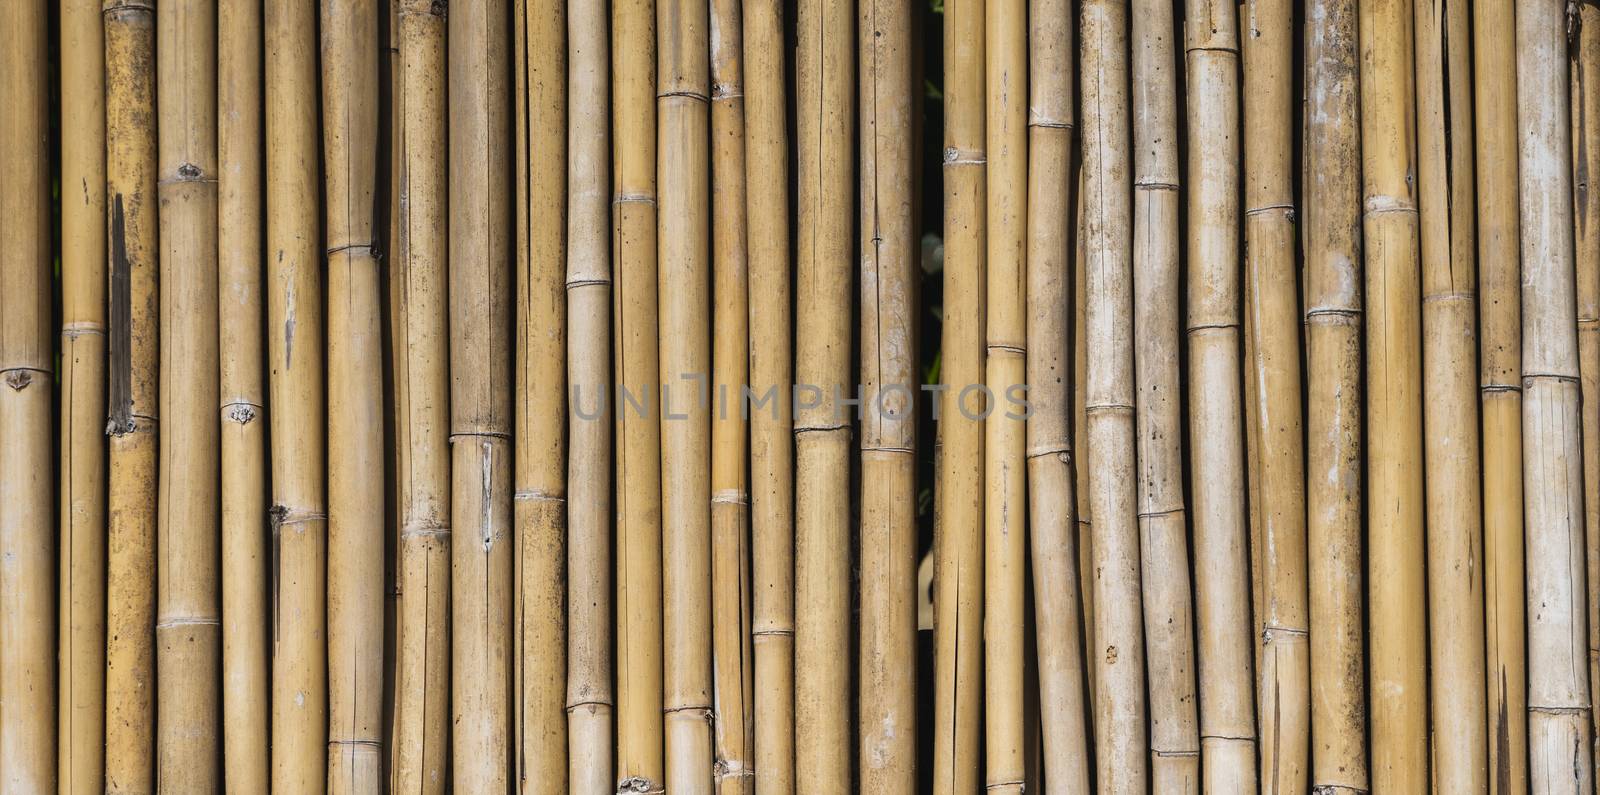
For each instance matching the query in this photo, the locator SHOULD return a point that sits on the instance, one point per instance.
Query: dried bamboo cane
(131, 412)
(1398, 630)
(771, 374)
(889, 270)
(1559, 740)
(1333, 387)
(1052, 489)
(81, 611)
(1272, 303)
(482, 646)
(27, 614)
(1080, 435)
(420, 739)
(1109, 395)
(187, 612)
(1585, 73)
(1449, 339)
(1216, 423)
(1163, 522)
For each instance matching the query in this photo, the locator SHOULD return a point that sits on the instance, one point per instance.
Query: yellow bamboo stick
(1585, 78)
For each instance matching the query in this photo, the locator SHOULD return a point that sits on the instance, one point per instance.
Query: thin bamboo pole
(1163, 522)
(1449, 328)
(81, 610)
(889, 273)
(1216, 422)
(1333, 387)
(131, 411)
(420, 739)
(1109, 395)
(1559, 739)
(771, 373)
(1080, 435)
(27, 543)
(1585, 75)
(1052, 488)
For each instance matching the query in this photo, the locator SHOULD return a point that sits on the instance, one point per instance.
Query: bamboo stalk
(1163, 521)
(1080, 434)
(420, 739)
(1585, 72)
(1333, 387)
(889, 273)
(1449, 326)
(27, 618)
(1559, 738)
(131, 412)
(81, 610)
(1217, 429)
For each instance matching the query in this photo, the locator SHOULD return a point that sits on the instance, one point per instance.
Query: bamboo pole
(1052, 489)
(1216, 423)
(1080, 434)
(1163, 522)
(771, 373)
(889, 273)
(131, 412)
(420, 739)
(1585, 77)
(1449, 327)
(1559, 731)
(81, 610)
(27, 617)
(1333, 387)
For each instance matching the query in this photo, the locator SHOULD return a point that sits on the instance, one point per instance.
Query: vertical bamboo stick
(420, 739)
(1080, 433)
(888, 544)
(1333, 387)
(1163, 522)
(1216, 424)
(81, 611)
(131, 412)
(27, 620)
(1585, 100)
(1449, 329)
(771, 373)
(1109, 395)
(1052, 490)
(1559, 731)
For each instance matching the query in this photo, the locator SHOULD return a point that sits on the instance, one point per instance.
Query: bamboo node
(1332, 315)
(19, 378)
(634, 198)
(695, 95)
(720, 91)
(730, 497)
(242, 413)
(371, 249)
(732, 768)
(639, 784)
(592, 704)
(1545, 710)
(113, 7)
(539, 495)
(1045, 122)
(588, 281)
(82, 328)
(1014, 785)
(1150, 184)
(1175, 754)
(1286, 209)
(191, 621)
(1336, 789)
(1060, 449)
(954, 156)
(1270, 633)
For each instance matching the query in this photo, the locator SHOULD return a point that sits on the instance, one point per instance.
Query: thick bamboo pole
(1559, 732)
(889, 274)
(81, 611)
(1333, 387)
(1449, 339)
(27, 617)
(1585, 72)
(1163, 522)
(1216, 422)
(420, 738)
(131, 412)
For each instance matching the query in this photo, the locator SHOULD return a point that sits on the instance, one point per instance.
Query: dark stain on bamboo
(119, 408)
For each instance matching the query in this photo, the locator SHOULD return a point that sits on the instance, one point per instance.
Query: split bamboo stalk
(589, 700)
(1397, 638)
(1163, 522)
(540, 664)
(734, 769)
(1272, 303)
(420, 738)
(130, 42)
(188, 627)
(1333, 386)
(27, 543)
(889, 273)
(638, 432)
(1109, 396)
(295, 359)
(349, 33)
(1586, 228)
(1500, 373)
(81, 610)
(1216, 422)
(1449, 339)
(1560, 747)
(771, 372)
(481, 324)
(1052, 488)
(246, 690)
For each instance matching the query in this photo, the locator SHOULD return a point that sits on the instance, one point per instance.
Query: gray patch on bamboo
(119, 419)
